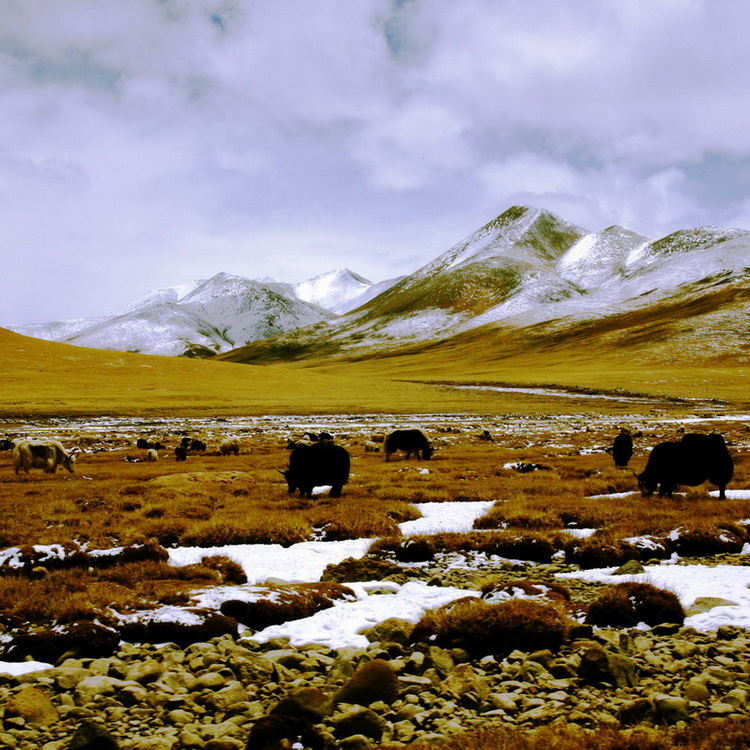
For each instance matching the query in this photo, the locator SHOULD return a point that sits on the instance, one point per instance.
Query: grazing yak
(152, 455)
(409, 441)
(622, 448)
(229, 447)
(180, 453)
(316, 465)
(41, 454)
(691, 461)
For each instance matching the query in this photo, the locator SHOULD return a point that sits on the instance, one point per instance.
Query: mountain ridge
(527, 275)
(505, 281)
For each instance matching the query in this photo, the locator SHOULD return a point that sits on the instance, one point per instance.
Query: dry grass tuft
(624, 605)
(481, 628)
(712, 734)
(288, 602)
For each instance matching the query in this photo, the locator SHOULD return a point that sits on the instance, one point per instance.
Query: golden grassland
(212, 500)
(42, 378)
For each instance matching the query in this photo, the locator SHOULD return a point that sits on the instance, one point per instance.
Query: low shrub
(167, 533)
(525, 589)
(481, 628)
(651, 547)
(624, 605)
(711, 734)
(705, 542)
(414, 550)
(595, 552)
(287, 602)
(533, 548)
(219, 535)
(231, 572)
(207, 625)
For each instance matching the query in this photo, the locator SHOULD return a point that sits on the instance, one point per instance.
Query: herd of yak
(317, 461)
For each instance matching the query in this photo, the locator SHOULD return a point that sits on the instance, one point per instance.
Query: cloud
(150, 141)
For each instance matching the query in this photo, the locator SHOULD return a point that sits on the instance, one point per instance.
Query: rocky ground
(211, 695)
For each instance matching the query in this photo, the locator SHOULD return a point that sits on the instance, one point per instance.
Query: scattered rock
(33, 706)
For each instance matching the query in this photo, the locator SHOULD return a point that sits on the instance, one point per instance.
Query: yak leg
(667, 488)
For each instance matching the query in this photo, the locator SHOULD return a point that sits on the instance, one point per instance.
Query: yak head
(646, 484)
(69, 461)
(291, 482)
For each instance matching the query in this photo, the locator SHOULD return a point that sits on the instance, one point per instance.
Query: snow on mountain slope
(162, 296)
(529, 268)
(219, 314)
(336, 290)
(596, 258)
(160, 329)
(213, 315)
(525, 268)
(485, 269)
(242, 310)
(58, 330)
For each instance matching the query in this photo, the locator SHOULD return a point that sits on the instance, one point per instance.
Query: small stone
(706, 603)
(33, 706)
(94, 686)
(696, 690)
(504, 701)
(90, 736)
(358, 720)
(736, 697)
(355, 742)
(209, 680)
(670, 709)
(630, 568)
(721, 709)
(179, 717)
(191, 741)
(144, 671)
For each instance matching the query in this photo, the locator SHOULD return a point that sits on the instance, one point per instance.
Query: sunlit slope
(44, 378)
(694, 344)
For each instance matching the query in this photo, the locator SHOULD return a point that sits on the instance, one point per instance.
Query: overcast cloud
(145, 143)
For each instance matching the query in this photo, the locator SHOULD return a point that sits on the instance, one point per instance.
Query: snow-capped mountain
(529, 276)
(215, 315)
(526, 279)
(339, 291)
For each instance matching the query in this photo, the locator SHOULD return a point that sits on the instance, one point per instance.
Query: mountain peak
(338, 290)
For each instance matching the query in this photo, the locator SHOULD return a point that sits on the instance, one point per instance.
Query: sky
(147, 143)
(341, 626)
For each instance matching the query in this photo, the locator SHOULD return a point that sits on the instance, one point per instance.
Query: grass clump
(711, 734)
(625, 605)
(703, 542)
(278, 604)
(524, 588)
(482, 628)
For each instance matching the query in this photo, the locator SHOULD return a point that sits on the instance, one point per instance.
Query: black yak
(317, 465)
(622, 448)
(409, 441)
(691, 461)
